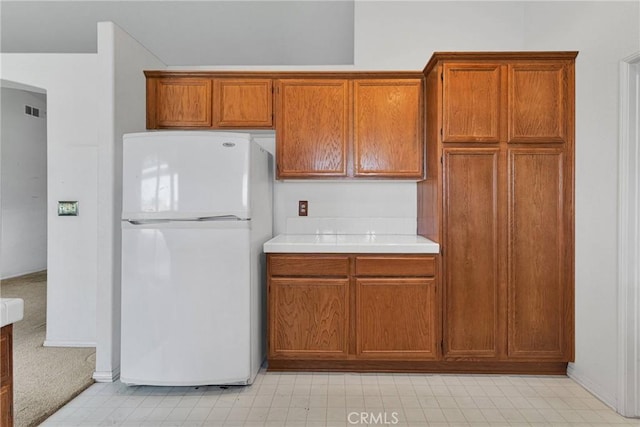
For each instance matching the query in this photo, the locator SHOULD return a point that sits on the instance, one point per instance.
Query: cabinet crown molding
(499, 56)
(286, 74)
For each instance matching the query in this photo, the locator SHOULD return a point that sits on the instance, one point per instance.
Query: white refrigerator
(196, 209)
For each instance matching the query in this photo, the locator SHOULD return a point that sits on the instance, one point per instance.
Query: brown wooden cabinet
(312, 128)
(6, 376)
(387, 128)
(539, 258)
(540, 105)
(472, 102)
(308, 306)
(340, 311)
(181, 101)
(470, 224)
(309, 317)
(500, 202)
(349, 128)
(243, 103)
(396, 318)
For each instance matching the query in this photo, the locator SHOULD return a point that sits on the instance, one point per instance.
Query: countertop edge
(11, 311)
(310, 244)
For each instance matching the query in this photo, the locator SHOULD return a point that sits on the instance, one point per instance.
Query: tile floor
(331, 399)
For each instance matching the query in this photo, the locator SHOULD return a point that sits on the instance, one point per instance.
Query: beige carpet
(45, 378)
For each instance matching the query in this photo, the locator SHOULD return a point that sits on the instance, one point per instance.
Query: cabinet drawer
(305, 265)
(395, 266)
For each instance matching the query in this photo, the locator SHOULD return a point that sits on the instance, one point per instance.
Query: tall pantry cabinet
(498, 197)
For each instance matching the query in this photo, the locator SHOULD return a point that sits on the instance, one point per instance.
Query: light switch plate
(67, 208)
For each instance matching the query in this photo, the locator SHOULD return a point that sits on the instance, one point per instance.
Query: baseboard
(54, 343)
(26, 273)
(591, 386)
(107, 376)
(419, 366)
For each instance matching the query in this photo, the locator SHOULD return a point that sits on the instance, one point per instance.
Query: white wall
(23, 194)
(261, 32)
(604, 33)
(122, 109)
(400, 35)
(70, 83)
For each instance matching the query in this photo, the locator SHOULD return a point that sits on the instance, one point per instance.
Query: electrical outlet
(303, 208)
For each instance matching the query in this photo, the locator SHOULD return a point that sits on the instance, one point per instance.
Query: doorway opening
(37, 370)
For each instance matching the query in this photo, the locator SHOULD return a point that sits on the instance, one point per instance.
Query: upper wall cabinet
(538, 102)
(312, 128)
(471, 102)
(483, 102)
(243, 103)
(387, 130)
(184, 102)
(354, 128)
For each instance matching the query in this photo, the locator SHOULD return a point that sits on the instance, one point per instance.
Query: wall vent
(31, 111)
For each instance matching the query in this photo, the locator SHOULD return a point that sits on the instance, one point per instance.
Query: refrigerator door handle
(200, 218)
(221, 218)
(146, 221)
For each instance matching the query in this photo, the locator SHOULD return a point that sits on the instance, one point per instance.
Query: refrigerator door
(185, 175)
(185, 303)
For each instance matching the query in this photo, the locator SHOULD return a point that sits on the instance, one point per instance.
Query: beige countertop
(351, 243)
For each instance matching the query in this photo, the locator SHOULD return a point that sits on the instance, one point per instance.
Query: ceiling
(189, 32)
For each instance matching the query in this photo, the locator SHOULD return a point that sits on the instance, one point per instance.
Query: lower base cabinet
(309, 317)
(6, 376)
(395, 318)
(352, 308)
(366, 313)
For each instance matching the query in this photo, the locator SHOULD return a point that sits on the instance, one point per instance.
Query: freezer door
(185, 175)
(185, 304)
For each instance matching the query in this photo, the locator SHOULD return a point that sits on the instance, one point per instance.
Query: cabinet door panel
(471, 252)
(243, 103)
(387, 128)
(308, 317)
(396, 318)
(539, 311)
(471, 103)
(183, 102)
(538, 103)
(313, 119)
(6, 406)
